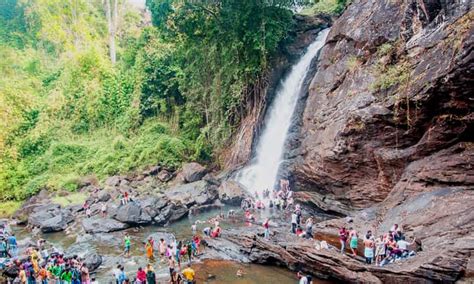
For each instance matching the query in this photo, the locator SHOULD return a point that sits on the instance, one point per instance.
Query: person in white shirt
(403, 245)
(294, 222)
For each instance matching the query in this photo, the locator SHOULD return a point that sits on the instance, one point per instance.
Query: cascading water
(263, 172)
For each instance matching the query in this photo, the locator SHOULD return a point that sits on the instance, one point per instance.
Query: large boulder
(50, 218)
(164, 176)
(171, 213)
(200, 193)
(102, 225)
(192, 172)
(153, 205)
(231, 192)
(131, 213)
(104, 196)
(87, 252)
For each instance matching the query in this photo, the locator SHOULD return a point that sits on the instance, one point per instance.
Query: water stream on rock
(262, 173)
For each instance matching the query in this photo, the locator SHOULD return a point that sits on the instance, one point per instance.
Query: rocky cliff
(387, 128)
(390, 105)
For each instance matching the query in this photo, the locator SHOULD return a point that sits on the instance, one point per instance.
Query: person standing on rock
(149, 251)
(150, 275)
(85, 279)
(12, 245)
(353, 238)
(162, 247)
(294, 222)
(309, 228)
(343, 234)
(171, 266)
(128, 244)
(103, 209)
(369, 248)
(266, 225)
(188, 274)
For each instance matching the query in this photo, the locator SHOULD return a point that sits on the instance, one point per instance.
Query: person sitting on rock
(299, 231)
(402, 245)
(207, 231)
(216, 232)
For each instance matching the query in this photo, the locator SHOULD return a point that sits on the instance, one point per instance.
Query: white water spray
(263, 172)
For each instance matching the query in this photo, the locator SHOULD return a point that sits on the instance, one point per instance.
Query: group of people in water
(39, 264)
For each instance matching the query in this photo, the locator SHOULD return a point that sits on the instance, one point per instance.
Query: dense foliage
(176, 93)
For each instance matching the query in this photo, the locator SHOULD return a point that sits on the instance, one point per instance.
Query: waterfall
(262, 173)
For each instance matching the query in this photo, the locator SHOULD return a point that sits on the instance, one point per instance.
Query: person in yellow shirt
(188, 274)
(22, 276)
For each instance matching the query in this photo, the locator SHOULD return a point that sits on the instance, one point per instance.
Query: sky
(137, 3)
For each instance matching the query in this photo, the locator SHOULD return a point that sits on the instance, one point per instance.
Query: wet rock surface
(231, 192)
(102, 225)
(50, 218)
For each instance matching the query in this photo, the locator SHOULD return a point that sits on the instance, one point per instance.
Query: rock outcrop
(192, 172)
(386, 130)
(50, 218)
(283, 248)
(388, 98)
(102, 225)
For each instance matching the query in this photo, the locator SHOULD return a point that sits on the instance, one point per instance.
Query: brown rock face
(387, 130)
(391, 97)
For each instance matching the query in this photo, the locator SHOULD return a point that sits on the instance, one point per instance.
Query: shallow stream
(110, 247)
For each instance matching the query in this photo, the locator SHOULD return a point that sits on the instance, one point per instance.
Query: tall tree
(112, 24)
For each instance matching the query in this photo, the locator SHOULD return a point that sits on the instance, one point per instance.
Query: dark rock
(164, 176)
(93, 261)
(50, 218)
(132, 214)
(193, 172)
(86, 252)
(231, 192)
(200, 192)
(151, 171)
(104, 196)
(153, 205)
(172, 212)
(178, 212)
(102, 225)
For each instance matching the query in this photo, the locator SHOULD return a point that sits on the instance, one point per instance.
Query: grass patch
(101, 153)
(389, 76)
(74, 198)
(8, 208)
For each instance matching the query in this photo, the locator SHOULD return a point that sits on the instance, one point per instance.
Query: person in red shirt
(343, 234)
(141, 276)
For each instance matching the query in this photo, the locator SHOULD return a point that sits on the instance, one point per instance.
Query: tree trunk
(110, 22)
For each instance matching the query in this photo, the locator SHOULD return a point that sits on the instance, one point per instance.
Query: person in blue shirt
(12, 245)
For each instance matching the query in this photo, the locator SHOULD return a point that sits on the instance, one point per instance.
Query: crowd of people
(173, 253)
(50, 266)
(40, 264)
(381, 250)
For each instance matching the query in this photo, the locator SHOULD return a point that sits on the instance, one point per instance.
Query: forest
(93, 88)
